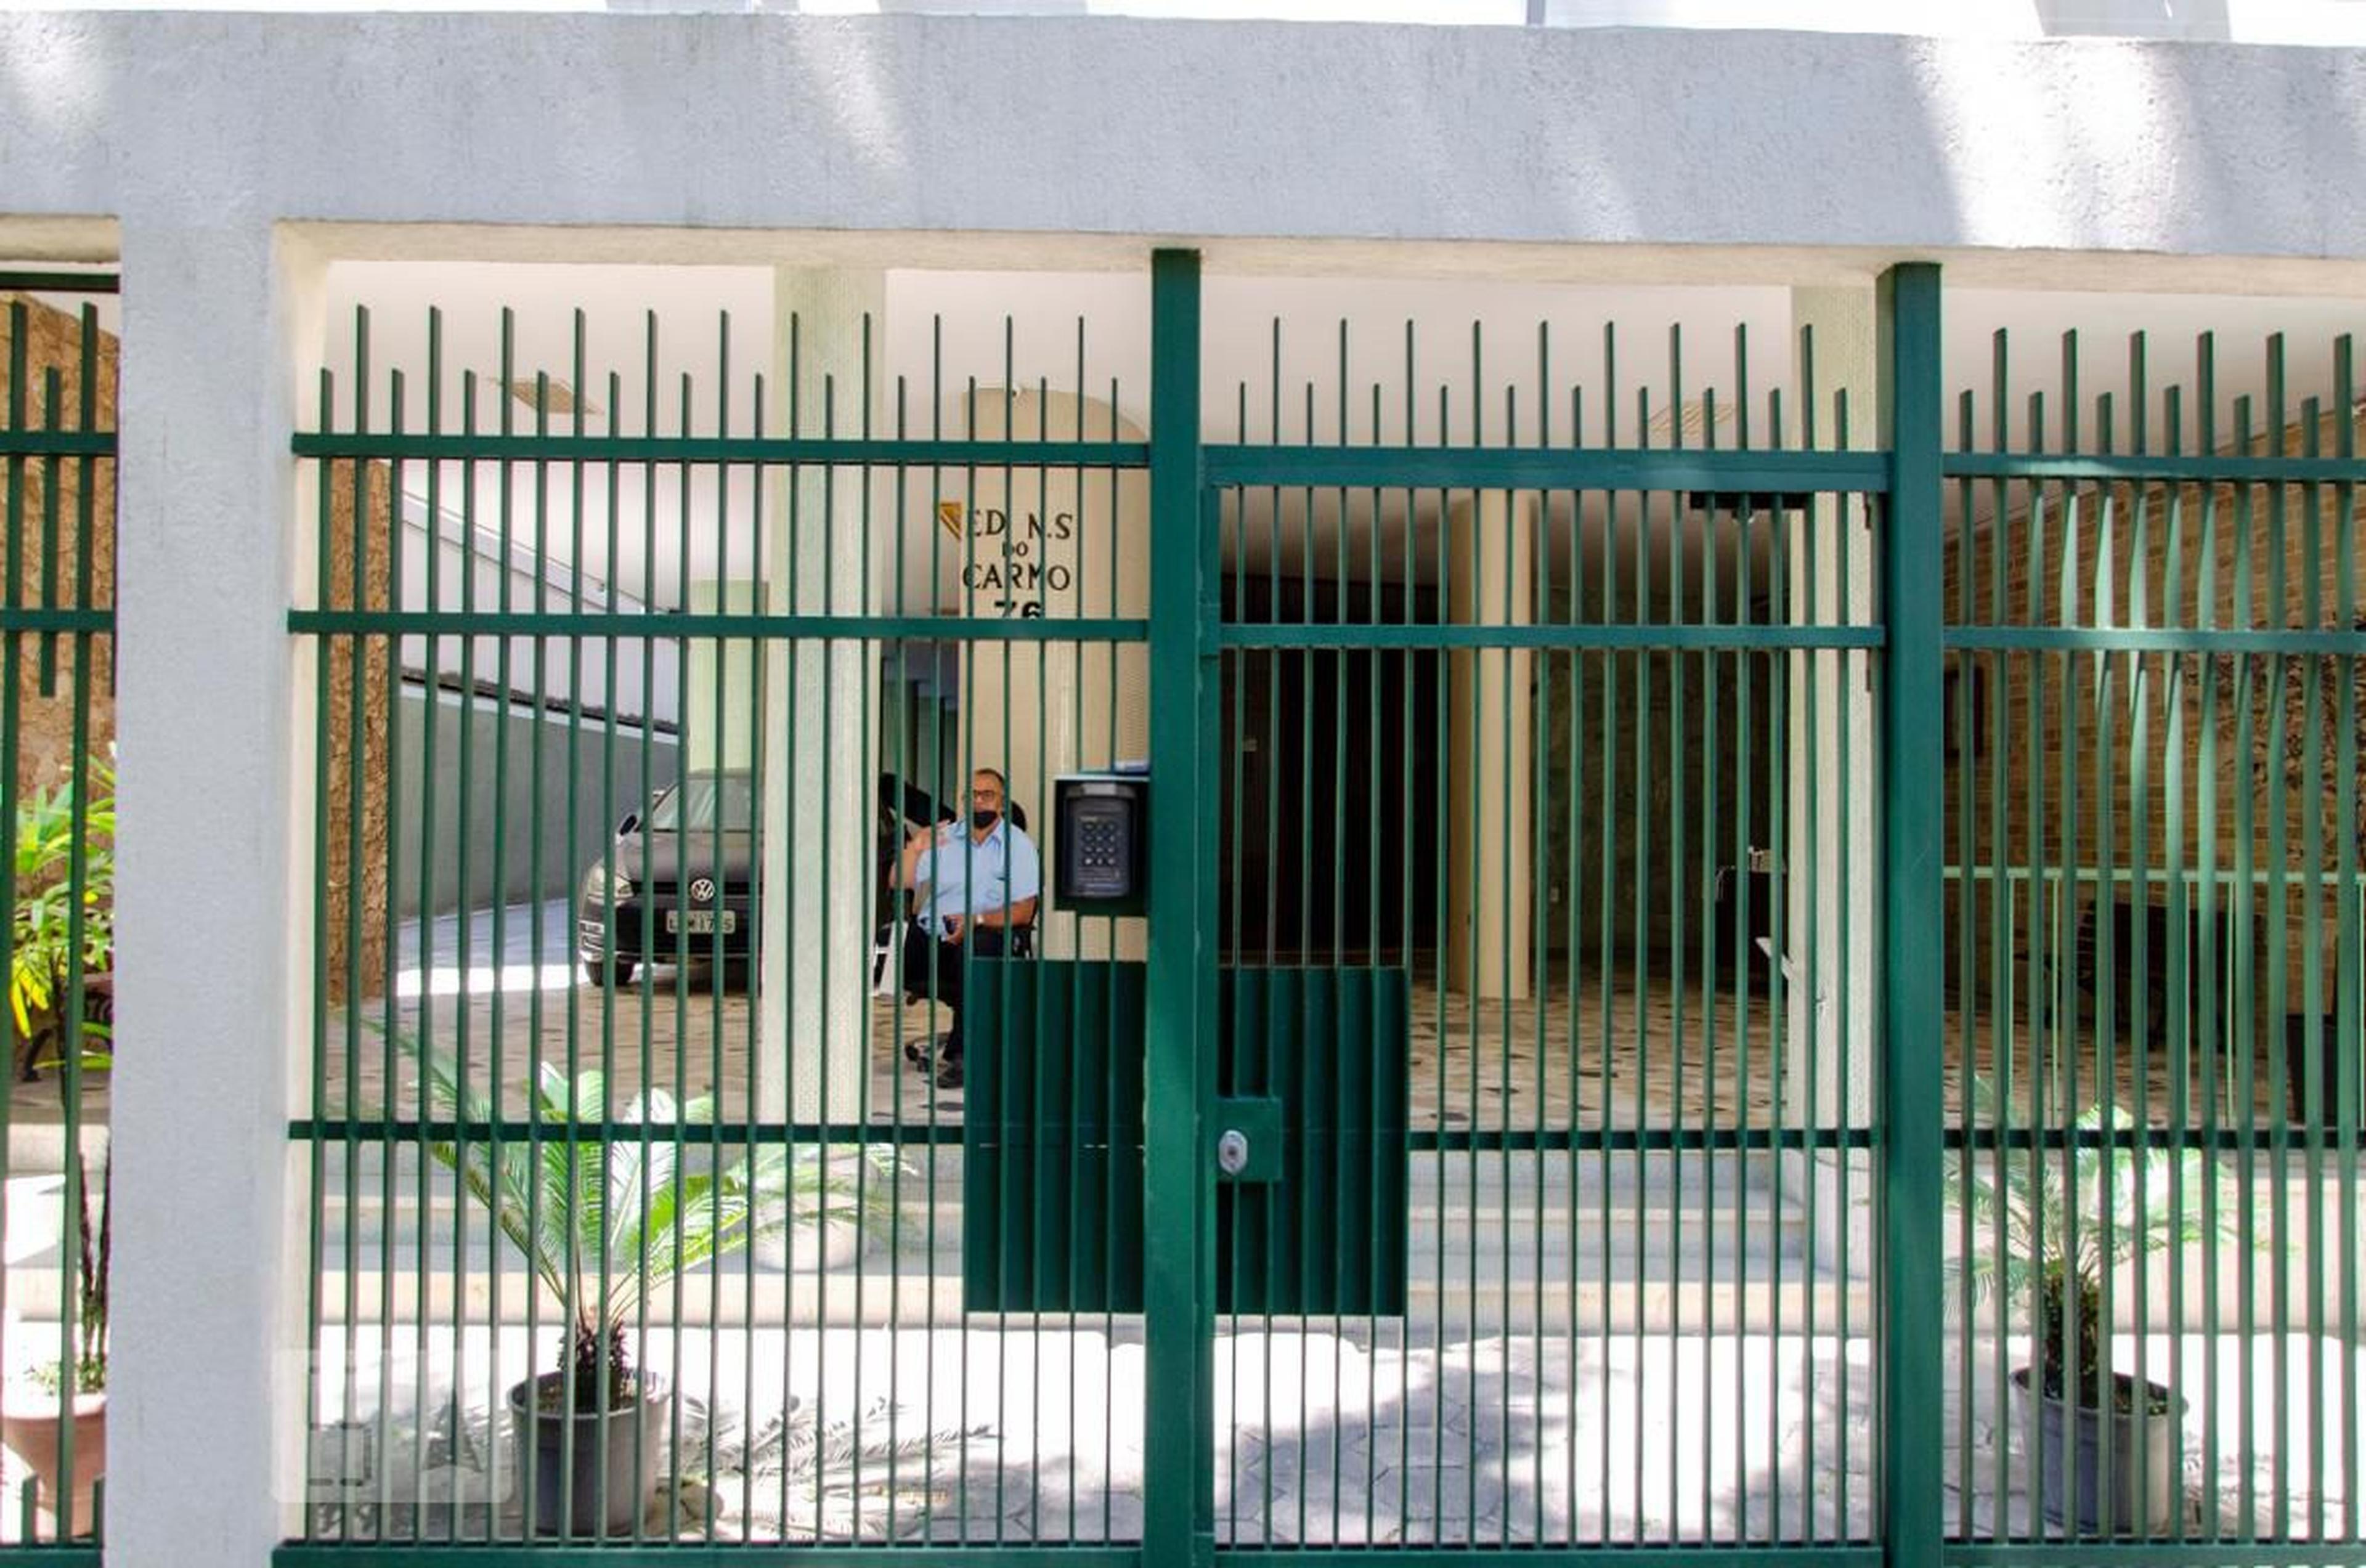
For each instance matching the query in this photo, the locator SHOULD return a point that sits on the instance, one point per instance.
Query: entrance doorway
(1330, 820)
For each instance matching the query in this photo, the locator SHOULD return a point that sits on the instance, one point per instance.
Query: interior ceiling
(1423, 361)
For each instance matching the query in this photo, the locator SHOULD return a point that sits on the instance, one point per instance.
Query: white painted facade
(2317, 22)
(229, 162)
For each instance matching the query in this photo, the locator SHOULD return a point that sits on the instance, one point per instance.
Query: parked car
(679, 881)
(682, 875)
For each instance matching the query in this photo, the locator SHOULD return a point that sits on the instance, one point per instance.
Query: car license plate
(701, 922)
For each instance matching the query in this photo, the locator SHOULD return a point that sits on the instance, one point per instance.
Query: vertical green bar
(1577, 662)
(2310, 1097)
(641, 794)
(1777, 724)
(1606, 933)
(1179, 1502)
(71, 1002)
(1405, 789)
(2214, 1009)
(1966, 857)
(1261, 1014)
(2346, 1081)
(2181, 962)
(1638, 946)
(1911, 1435)
(316, 1300)
(1672, 612)
(2280, 923)
(53, 413)
(2002, 897)
(1849, 669)
(2062, 1066)
(1376, 663)
(2111, 887)
(1298, 1169)
(1235, 798)
(430, 599)
(11, 674)
(391, 761)
(358, 489)
(2242, 1047)
(1809, 666)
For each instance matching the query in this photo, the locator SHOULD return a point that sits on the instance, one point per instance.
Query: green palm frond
(2078, 1211)
(614, 1202)
(52, 821)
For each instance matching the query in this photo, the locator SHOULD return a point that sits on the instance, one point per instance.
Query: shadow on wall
(544, 846)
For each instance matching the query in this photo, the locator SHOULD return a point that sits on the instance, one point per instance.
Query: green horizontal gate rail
(57, 625)
(1919, 895)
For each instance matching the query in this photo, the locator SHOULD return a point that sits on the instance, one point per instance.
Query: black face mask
(983, 819)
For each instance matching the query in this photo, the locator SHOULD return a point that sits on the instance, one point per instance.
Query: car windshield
(697, 803)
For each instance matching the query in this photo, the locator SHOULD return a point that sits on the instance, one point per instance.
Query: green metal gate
(1612, 968)
(58, 366)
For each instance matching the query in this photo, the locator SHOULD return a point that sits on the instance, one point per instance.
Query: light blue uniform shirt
(1003, 869)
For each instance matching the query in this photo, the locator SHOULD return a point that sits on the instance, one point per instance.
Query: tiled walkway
(1583, 1049)
(1619, 1048)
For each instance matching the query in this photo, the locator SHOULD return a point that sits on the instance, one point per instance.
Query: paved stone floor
(1655, 1049)
(1592, 1047)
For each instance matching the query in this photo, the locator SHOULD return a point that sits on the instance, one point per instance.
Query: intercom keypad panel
(1102, 825)
(1101, 850)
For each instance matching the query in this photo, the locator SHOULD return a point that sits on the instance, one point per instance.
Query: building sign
(1010, 571)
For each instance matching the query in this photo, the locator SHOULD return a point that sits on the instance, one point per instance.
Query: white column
(820, 765)
(1835, 891)
(1490, 732)
(717, 727)
(207, 1370)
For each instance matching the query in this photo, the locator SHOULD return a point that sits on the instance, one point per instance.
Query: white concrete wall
(2323, 22)
(533, 842)
(651, 694)
(1232, 135)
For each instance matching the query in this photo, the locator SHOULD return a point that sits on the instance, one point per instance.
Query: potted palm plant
(605, 1209)
(2066, 1219)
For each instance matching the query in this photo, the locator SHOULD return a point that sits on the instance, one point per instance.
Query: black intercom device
(1101, 843)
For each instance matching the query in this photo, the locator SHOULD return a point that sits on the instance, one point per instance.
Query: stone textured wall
(46, 673)
(2153, 743)
(354, 873)
(46, 689)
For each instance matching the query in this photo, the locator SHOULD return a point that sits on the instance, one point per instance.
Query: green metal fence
(57, 616)
(2154, 645)
(1624, 925)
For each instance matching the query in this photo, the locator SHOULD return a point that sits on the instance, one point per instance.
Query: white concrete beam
(1957, 149)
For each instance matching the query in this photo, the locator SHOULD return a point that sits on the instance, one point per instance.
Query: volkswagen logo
(702, 890)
